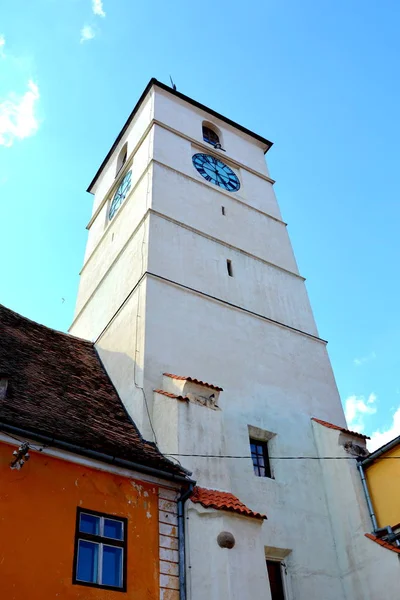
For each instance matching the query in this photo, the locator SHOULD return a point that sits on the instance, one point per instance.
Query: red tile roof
(172, 395)
(342, 429)
(58, 387)
(183, 378)
(383, 543)
(222, 501)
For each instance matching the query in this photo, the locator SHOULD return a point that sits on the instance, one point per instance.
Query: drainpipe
(377, 530)
(367, 497)
(181, 539)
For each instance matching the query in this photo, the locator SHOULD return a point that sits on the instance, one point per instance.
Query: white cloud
(364, 359)
(87, 33)
(97, 7)
(355, 408)
(2, 44)
(379, 437)
(17, 115)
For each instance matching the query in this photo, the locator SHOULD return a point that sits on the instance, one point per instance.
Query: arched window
(210, 136)
(121, 158)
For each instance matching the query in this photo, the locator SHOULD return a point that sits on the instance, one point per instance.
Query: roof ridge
(60, 388)
(194, 380)
(339, 428)
(63, 333)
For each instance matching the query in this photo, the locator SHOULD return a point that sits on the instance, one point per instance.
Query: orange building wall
(37, 528)
(383, 479)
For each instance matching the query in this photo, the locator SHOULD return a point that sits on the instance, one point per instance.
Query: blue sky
(320, 79)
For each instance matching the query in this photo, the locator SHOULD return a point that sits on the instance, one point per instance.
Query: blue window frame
(260, 458)
(100, 550)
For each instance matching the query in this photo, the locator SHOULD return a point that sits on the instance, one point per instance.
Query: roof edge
(382, 543)
(338, 428)
(153, 81)
(218, 500)
(211, 386)
(105, 458)
(380, 451)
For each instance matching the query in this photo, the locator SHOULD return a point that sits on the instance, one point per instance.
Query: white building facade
(189, 272)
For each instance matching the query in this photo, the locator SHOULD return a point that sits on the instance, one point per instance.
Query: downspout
(181, 539)
(367, 497)
(377, 530)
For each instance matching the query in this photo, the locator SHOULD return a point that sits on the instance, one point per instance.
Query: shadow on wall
(127, 378)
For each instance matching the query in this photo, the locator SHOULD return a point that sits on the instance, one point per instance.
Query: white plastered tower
(190, 279)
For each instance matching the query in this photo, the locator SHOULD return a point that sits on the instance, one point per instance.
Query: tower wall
(156, 296)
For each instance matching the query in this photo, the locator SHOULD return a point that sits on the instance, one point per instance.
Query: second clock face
(215, 171)
(120, 194)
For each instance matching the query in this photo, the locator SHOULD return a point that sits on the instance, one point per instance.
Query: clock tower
(191, 292)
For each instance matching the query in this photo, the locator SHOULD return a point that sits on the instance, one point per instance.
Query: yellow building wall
(383, 478)
(37, 528)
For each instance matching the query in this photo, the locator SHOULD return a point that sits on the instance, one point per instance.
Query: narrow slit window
(210, 136)
(260, 458)
(229, 268)
(122, 156)
(100, 550)
(223, 210)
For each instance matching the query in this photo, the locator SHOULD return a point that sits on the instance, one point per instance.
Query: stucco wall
(185, 257)
(176, 152)
(188, 120)
(273, 377)
(235, 573)
(200, 205)
(38, 513)
(368, 571)
(133, 137)
(124, 359)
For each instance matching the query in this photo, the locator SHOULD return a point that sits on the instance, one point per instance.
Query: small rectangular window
(223, 210)
(275, 580)
(100, 550)
(260, 458)
(229, 268)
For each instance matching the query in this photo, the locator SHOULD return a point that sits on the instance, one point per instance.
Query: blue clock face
(216, 171)
(120, 194)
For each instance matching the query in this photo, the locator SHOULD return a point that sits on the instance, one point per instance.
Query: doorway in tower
(274, 568)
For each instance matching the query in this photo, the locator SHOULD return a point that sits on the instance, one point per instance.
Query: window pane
(89, 524)
(261, 471)
(88, 560)
(112, 566)
(113, 529)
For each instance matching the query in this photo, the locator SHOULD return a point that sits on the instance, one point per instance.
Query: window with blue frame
(260, 458)
(100, 550)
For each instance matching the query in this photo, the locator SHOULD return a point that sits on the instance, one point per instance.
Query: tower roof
(166, 88)
(56, 386)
